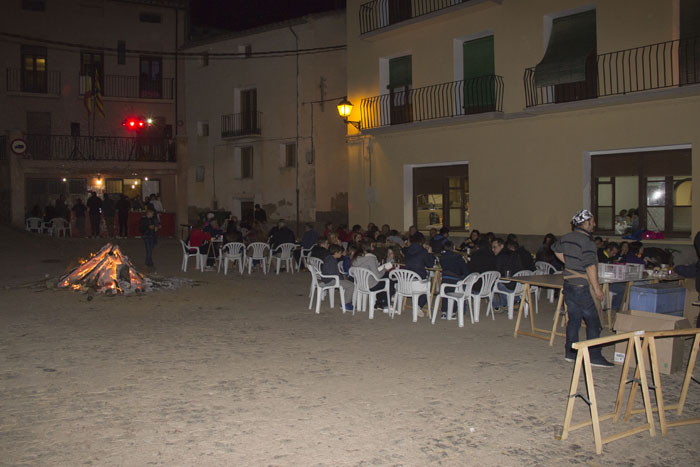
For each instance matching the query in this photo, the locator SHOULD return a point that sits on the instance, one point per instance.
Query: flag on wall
(88, 100)
(98, 96)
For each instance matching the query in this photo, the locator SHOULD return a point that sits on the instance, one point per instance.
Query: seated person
(418, 257)
(624, 251)
(523, 253)
(213, 228)
(438, 240)
(482, 258)
(280, 234)
(545, 253)
(200, 239)
(507, 263)
(308, 240)
(472, 242)
(320, 250)
(608, 254)
(231, 233)
(330, 268)
(636, 254)
(365, 258)
(454, 266)
(395, 238)
(343, 234)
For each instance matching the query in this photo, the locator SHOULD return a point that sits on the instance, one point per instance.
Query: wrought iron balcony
(131, 87)
(240, 124)
(474, 96)
(37, 82)
(100, 148)
(656, 66)
(379, 14)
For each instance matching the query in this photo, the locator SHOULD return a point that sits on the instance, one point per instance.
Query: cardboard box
(669, 351)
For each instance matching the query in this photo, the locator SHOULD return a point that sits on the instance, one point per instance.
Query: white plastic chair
(34, 224)
(409, 285)
(517, 292)
(488, 284)
(315, 262)
(60, 227)
(285, 251)
(461, 293)
(258, 253)
(547, 268)
(304, 253)
(320, 288)
(187, 253)
(233, 252)
(363, 292)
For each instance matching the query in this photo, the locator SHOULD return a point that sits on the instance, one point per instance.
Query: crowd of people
(96, 209)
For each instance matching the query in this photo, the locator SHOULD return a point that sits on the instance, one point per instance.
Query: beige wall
(526, 167)
(212, 93)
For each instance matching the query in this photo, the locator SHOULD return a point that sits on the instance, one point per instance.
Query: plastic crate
(668, 299)
(622, 272)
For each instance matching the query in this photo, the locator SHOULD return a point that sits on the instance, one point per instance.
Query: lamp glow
(345, 108)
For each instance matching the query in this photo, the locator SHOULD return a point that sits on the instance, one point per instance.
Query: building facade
(510, 116)
(262, 122)
(90, 99)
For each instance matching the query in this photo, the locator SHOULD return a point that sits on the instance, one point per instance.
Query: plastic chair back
(286, 250)
(33, 223)
(233, 250)
(488, 282)
(404, 278)
(362, 276)
(258, 250)
(545, 267)
(315, 262)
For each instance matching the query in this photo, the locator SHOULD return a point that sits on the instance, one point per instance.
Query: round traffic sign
(18, 146)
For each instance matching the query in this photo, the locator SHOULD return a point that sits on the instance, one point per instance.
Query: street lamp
(345, 109)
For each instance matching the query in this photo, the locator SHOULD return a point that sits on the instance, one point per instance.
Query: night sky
(236, 15)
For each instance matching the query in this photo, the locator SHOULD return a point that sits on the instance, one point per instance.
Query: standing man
(79, 214)
(94, 205)
(123, 207)
(108, 210)
(148, 225)
(582, 292)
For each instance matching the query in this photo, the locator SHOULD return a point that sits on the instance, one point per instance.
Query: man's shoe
(602, 363)
(348, 307)
(570, 359)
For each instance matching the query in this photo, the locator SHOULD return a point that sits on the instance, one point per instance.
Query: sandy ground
(237, 371)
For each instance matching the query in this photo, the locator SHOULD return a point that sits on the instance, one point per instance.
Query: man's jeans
(149, 243)
(581, 306)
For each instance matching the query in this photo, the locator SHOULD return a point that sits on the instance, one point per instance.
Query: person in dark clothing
(418, 257)
(148, 226)
(438, 241)
(330, 268)
(454, 267)
(320, 250)
(545, 253)
(123, 206)
(608, 254)
(507, 263)
(280, 234)
(62, 209)
(472, 242)
(259, 214)
(49, 213)
(79, 210)
(482, 258)
(310, 237)
(94, 205)
(108, 211)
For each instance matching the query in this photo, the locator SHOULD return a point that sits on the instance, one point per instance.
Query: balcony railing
(241, 124)
(37, 82)
(656, 66)
(131, 87)
(474, 96)
(100, 148)
(379, 14)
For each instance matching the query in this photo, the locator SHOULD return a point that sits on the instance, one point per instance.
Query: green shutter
(572, 40)
(478, 58)
(400, 71)
(479, 71)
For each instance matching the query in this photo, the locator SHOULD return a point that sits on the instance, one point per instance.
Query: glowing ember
(107, 271)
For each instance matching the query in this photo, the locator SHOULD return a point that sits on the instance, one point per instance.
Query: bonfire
(107, 271)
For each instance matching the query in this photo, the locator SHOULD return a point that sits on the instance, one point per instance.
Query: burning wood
(108, 271)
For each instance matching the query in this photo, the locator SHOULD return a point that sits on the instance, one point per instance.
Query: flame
(102, 271)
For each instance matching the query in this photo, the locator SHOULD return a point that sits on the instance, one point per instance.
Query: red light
(131, 123)
(135, 123)
(140, 123)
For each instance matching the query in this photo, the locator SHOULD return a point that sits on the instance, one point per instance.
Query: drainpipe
(296, 41)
